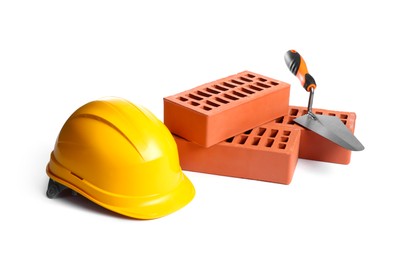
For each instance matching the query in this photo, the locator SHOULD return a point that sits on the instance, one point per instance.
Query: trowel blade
(332, 128)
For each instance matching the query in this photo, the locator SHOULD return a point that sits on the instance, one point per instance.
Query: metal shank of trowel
(310, 104)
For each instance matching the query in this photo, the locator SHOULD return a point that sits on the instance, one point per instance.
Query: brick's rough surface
(266, 153)
(314, 146)
(215, 111)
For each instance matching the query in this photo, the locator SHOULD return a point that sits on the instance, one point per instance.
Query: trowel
(330, 127)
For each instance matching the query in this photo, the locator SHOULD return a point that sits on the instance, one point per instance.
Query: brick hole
(293, 111)
(239, 94)
(207, 108)
(279, 120)
(254, 88)
(291, 120)
(183, 99)
(343, 116)
(256, 141)
(212, 103)
(228, 85)
(344, 121)
(213, 91)
(237, 82)
(247, 132)
(194, 103)
(282, 146)
(269, 143)
(262, 79)
(273, 133)
(243, 139)
(203, 94)
(286, 133)
(221, 100)
(304, 112)
(247, 91)
(220, 88)
(229, 140)
(261, 131)
(250, 75)
(274, 83)
(195, 97)
(319, 113)
(284, 139)
(245, 79)
(263, 85)
(230, 97)
(332, 114)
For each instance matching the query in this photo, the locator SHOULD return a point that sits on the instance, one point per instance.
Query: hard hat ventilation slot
(76, 175)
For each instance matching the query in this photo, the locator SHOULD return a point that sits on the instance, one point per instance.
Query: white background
(56, 56)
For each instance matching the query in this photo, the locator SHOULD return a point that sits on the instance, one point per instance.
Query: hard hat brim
(151, 207)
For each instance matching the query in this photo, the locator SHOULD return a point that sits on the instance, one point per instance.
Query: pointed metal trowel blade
(332, 128)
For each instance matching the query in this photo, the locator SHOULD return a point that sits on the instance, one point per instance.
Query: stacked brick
(242, 126)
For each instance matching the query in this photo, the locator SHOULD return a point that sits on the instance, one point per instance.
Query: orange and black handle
(297, 66)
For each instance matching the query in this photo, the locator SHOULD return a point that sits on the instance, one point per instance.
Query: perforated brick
(265, 153)
(314, 146)
(215, 111)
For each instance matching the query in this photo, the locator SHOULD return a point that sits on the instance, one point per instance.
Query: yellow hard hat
(121, 157)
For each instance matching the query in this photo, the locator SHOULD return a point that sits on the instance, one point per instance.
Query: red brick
(215, 111)
(314, 146)
(266, 153)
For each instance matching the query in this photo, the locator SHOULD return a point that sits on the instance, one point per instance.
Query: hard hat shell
(121, 157)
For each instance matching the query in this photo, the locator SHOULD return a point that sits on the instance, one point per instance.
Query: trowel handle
(297, 66)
